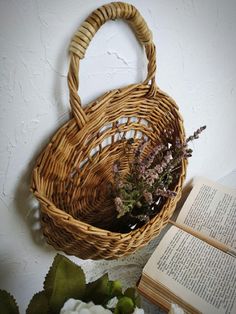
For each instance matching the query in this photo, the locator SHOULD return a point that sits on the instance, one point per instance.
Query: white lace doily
(127, 269)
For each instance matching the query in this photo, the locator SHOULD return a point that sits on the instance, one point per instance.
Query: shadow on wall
(28, 207)
(25, 203)
(185, 193)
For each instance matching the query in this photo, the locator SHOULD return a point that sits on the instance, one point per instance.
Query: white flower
(73, 306)
(112, 303)
(138, 311)
(175, 309)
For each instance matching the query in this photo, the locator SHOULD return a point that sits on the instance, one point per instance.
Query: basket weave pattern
(72, 174)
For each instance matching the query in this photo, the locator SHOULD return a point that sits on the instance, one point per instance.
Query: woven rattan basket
(71, 175)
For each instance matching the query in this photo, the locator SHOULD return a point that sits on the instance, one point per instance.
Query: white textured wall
(196, 48)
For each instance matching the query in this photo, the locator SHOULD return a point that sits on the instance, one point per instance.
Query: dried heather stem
(150, 177)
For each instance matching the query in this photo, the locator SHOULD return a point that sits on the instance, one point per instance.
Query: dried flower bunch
(141, 193)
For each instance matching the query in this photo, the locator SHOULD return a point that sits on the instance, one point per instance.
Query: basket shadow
(185, 193)
(5, 270)
(27, 206)
(25, 203)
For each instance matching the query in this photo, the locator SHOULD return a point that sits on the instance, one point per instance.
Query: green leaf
(98, 290)
(39, 304)
(64, 280)
(125, 305)
(8, 304)
(132, 293)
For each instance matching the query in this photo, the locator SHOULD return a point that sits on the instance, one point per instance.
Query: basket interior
(75, 169)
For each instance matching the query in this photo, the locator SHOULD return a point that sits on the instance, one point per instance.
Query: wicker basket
(71, 175)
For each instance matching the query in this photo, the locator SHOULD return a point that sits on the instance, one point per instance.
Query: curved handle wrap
(82, 38)
(111, 11)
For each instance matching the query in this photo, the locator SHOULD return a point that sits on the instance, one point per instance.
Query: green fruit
(125, 306)
(115, 288)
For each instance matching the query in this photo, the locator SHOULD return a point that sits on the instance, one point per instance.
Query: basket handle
(82, 38)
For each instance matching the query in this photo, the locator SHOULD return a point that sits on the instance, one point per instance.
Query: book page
(195, 272)
(211, 209)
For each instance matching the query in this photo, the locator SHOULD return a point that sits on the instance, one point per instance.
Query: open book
(194, 264)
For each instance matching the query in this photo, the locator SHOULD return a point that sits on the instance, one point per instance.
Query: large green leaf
(64, 280)
(98, 290)
(7, 303)
(39, 304)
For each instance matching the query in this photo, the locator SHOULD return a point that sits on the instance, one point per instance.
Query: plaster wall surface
(196, 48)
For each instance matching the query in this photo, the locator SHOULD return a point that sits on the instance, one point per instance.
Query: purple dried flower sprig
(196, 134)
(165, 193)
(150, 177)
